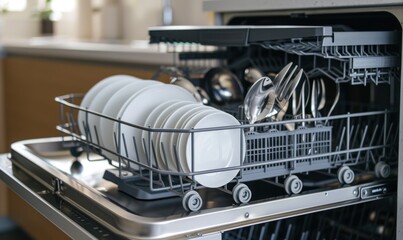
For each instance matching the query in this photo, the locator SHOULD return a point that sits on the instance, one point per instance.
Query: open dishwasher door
(86, 206)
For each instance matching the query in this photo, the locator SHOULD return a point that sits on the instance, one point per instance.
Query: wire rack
(358, 58)
(358, 63)
(375, 220)
(365, 140)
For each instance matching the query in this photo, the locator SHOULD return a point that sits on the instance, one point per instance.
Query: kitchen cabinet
(33, 83)
(28, 110)
(3, 200)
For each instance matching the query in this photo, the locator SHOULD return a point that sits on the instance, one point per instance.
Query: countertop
(275, 5)
(120, 52)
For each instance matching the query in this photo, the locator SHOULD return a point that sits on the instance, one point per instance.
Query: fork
(285, 90)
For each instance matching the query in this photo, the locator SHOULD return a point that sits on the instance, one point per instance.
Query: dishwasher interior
(353, 68)
(335, 145)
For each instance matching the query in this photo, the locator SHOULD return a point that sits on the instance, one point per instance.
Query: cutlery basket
(336, 146)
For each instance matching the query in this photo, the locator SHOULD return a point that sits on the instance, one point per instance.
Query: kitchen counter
(277, 5)
(135, 52)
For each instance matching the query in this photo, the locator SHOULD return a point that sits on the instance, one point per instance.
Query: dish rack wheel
(192, 201)
(345, 175)
(382, 170)
(293, 185)
(241, 193)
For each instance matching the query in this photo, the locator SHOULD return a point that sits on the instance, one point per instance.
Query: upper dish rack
(355, 57)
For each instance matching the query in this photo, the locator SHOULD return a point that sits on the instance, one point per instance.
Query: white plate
(188, 123)
(155, 120)
(98, 103)
(163, 137)
(89, 96)
(112, 108)
(136, 110)
(215, 149)
(179, 125)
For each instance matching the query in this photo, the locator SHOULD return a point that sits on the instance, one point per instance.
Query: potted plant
(45, 17)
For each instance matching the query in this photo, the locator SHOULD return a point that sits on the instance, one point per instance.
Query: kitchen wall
(104, 19)
(139, 15)
(20, 24)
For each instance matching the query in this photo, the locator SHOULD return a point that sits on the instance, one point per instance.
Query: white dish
(164, 137)
(98, 103)
(215, 149)
(136, 110)
(87, 99)
(188, 123)
(179, 125)
(155, 120)
(112, 108)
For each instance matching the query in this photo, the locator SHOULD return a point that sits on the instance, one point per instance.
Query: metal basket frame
(308, 148)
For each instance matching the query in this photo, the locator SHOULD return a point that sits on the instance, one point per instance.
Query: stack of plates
(206, 150)
(162, 106)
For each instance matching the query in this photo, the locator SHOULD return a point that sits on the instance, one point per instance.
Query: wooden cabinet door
(32, 84)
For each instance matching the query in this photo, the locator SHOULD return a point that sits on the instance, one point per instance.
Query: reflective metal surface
(223, 86)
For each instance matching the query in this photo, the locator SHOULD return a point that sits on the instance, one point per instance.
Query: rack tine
(136, 151)
(88, 135)
(164, 155)
(156, 163)
(117, 147)
(125, 148)
(350, 134)
(263, 231)
(155, 155)
(361, 144)
(252, 229)
(178, 166)
(146, 152)
(96, 135)
(277, 229)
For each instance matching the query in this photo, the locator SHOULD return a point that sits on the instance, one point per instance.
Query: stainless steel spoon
(252, 74)
(264, 99)
(204, 96)
(259, 100)
(188, 85)
(223, 86)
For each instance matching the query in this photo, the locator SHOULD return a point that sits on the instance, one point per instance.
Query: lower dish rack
(375, 220)
(342, 147)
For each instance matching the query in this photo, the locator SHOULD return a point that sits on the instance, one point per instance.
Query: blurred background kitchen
(53, 47)
(96, 20)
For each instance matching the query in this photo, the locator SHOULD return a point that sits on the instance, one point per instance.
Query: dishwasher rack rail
(355, 57)
(331, 145)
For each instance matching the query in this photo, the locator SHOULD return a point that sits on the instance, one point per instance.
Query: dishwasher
(328, 174)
